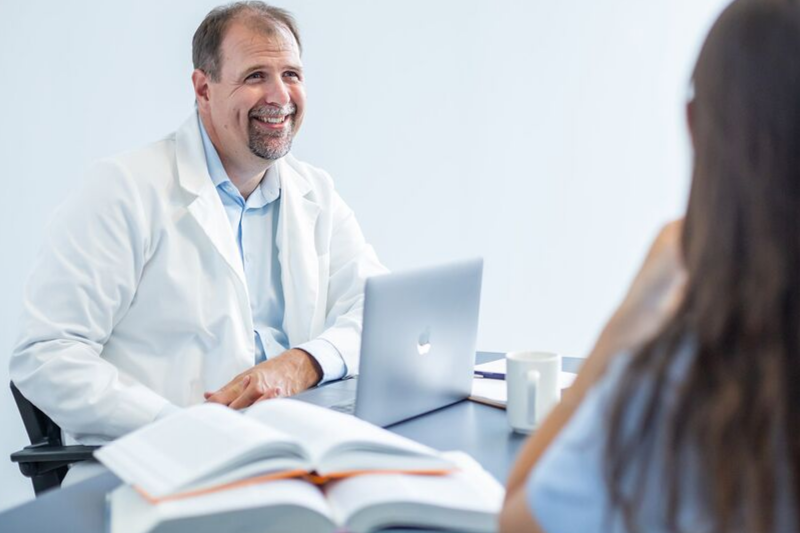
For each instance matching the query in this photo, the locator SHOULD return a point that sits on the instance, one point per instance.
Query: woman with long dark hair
(686, 415)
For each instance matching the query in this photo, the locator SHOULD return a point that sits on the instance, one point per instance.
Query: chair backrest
(46, 460)
(40, 427)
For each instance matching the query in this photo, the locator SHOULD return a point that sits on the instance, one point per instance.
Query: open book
(466, 500)
(209, 447)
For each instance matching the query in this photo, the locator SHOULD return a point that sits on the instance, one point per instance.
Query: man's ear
(200, 82)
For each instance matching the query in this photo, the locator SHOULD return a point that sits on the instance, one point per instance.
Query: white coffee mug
(533, 388)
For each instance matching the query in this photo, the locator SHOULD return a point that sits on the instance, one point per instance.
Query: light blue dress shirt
(254, 223)
(566, 491)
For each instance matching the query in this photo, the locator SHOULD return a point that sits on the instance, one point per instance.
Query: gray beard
(270, 147)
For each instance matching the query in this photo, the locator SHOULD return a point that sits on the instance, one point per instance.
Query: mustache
(272, 111)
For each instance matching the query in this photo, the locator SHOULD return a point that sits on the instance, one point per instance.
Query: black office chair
(46, 460)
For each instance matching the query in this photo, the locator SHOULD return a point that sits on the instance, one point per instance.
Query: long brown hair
(735, 412)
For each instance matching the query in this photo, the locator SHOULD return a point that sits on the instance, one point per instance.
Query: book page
(259, 507)
(329, 436)
(466, 498)
(191, 445)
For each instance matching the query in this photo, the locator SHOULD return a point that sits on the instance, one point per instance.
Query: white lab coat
(139, 297)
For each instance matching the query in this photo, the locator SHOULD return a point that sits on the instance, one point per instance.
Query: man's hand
(291, 372)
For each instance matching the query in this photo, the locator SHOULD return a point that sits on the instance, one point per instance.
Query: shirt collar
(268, 190)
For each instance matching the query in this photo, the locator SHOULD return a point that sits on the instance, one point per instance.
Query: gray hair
(208, 37)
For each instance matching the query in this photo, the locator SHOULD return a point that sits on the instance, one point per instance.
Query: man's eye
(255, 76)
(291, 74)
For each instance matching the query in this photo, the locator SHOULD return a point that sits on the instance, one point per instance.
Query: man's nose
(278, 93)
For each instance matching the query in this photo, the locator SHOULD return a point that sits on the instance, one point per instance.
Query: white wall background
(546, 136)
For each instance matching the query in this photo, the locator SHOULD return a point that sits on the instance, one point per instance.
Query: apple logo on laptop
(424, 342)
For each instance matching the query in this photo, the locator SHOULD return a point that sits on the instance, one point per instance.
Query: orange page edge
(276, 476)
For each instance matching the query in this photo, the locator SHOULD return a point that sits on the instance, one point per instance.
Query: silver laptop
(418, 342)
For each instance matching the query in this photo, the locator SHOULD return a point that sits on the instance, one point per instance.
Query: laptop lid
(418, 341)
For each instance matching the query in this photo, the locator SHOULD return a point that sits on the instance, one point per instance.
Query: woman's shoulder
(566, 491)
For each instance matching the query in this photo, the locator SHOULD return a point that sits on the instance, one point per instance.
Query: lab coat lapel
(297, 253)
(206, 207)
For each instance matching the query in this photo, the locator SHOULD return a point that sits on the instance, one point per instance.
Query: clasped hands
(291, 372)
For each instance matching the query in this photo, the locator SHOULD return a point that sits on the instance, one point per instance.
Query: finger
(253, 392)
(229, 392)
(269, 395)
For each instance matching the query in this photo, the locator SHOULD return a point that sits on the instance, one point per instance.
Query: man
(211, 265)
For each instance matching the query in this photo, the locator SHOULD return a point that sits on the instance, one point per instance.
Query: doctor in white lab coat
(139, 303)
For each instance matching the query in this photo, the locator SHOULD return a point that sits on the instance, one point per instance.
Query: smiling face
(254, 110)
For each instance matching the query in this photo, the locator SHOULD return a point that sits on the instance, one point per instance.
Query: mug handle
(532, 388)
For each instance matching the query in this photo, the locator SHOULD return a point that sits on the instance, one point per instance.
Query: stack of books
(285, 465)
